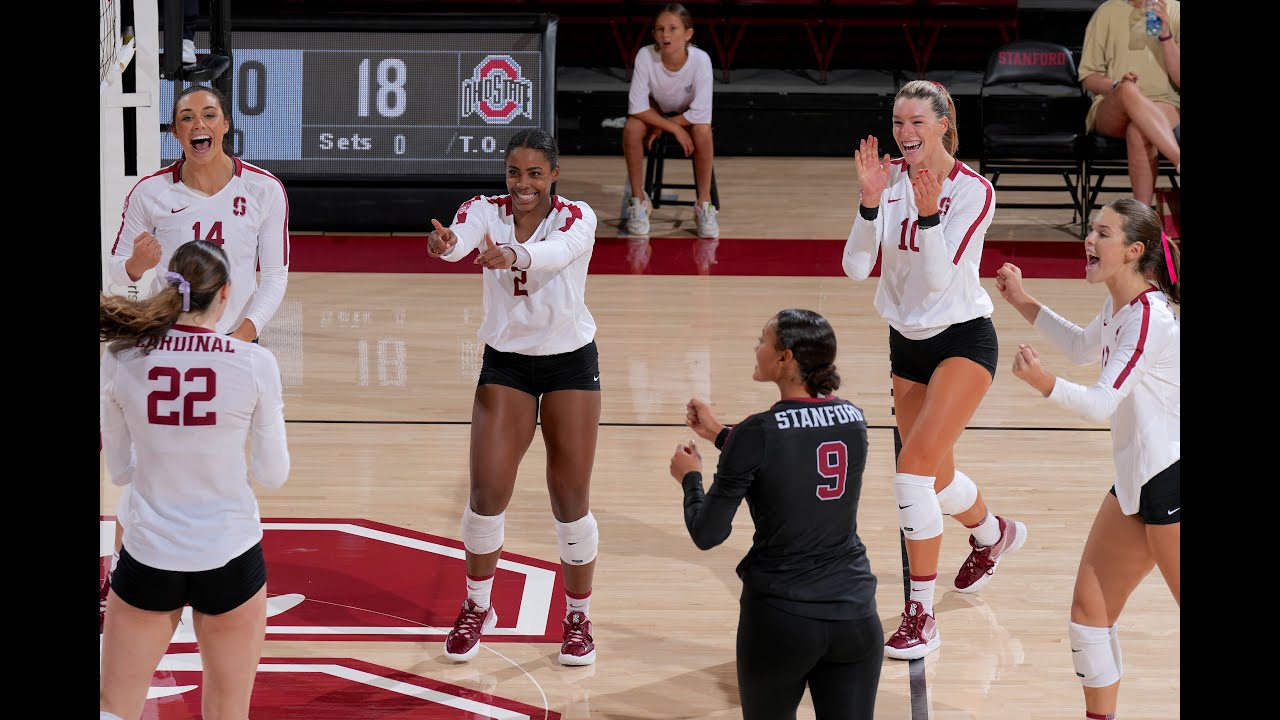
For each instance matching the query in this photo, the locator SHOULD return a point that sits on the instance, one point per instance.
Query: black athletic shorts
(538, 374)
(212, 592)
(1161, 500)
(915, 360)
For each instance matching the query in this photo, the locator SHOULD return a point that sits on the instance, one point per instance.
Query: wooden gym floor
(379, 371)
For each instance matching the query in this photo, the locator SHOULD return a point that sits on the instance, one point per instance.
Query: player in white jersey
(540, 355)
(207, 195)
(670, 92)
(1137, 339)
(179, 402)
(926, 215)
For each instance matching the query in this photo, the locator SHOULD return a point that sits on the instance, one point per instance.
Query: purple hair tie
(184, 287)
(1168, 261)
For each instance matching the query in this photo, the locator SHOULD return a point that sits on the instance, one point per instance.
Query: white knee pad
(483, 534)
(918, 513)
(579, 539)
(959, 496)
(1091, 654)
(1114, 634)
(104, 715)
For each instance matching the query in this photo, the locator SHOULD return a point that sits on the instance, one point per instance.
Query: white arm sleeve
(273, 260)
(1139, 344)
(268, 448)
(469, 226)
(862, 247)
(1081, 345)
(135, 220)
(573, 236)
(117, 444)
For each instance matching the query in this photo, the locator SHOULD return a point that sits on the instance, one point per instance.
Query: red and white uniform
(249, 218)
(1140, 388)
(540, 308)
(928, 276)
(174, 427)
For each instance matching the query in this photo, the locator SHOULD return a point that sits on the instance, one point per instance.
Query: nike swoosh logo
(1075, 651)
(595, 378)
(894, 200)
(575, 543)
(1175, 510)
(180, 209)
(903, 507)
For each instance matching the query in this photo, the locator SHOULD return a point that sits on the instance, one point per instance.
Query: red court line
(668, 256)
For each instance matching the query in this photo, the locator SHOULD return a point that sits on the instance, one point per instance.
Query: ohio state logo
(497, 92)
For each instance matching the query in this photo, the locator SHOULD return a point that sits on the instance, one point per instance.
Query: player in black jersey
(808, 607)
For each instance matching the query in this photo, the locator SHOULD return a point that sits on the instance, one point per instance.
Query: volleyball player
(807, 613)
(1137, 338)
(540, 359)
(179, 402)
(206, 195)
(926, 214)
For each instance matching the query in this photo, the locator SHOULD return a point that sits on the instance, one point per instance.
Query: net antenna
(129, 115)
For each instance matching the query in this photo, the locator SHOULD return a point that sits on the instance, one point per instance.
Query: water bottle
(1153, 21)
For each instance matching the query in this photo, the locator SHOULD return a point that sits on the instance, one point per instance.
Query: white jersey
(928, 276)
(1139, 390)
(174, 426)
(687, 90)
(249, 218)
(540, 309)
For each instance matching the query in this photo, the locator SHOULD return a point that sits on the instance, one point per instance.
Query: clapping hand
(873, 172)
(926, 189)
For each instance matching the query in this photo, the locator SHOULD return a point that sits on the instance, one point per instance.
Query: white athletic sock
(577, 602)
(478, 590)
(922, 591)
(987, 532)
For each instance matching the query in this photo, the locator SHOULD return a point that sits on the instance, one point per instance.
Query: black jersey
(799, 465)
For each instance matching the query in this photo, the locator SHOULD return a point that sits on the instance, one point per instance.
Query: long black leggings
(779, 653)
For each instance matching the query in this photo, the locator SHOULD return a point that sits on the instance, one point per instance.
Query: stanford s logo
(944, 205)
(496, 91)
(239, 206)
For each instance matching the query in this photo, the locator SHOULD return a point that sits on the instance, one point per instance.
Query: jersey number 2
(520, 280)
(833, 464)
(172, 378)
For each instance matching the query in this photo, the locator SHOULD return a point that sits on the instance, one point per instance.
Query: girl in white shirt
(539, 358)
(1137, 339)
(926, 215)
(670, 92)
(206, 195)
(179, 403)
